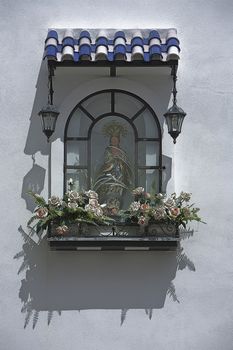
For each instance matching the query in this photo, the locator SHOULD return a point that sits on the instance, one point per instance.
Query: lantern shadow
(33, 181)
(36, 141)
(59, 281)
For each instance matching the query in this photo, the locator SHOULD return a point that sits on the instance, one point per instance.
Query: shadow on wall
(35, 178)
(59, 281)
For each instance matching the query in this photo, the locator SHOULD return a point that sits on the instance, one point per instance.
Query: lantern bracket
(50, 83)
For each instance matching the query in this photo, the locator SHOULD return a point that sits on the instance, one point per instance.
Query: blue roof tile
(145, 44)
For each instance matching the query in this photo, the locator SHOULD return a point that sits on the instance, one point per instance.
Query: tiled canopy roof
(111, 45)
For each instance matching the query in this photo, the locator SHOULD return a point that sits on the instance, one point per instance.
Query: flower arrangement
(83, 207)
(146, 209)
(77, 207)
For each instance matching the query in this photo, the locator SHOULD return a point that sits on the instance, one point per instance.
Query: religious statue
(114, 178)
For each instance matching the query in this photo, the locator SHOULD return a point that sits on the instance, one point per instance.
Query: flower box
(79, 221)
(158, 235)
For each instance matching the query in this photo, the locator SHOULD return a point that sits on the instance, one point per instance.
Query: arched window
(112, 145)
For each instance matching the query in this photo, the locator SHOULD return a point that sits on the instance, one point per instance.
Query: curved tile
(119, 34)
(68, 46)
(84, 38)
(67, 53)
(85, 46)
(155, 53)
(85, 34)
(173, 48)
(119, 52)
(52, 34)
(154, 42)
(137, 48)
(51, 43)
(85, 52)
(101, 52)
(51, 52)
(154, 35)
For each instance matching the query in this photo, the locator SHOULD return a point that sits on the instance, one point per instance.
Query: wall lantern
(175, 115)
(49, 113)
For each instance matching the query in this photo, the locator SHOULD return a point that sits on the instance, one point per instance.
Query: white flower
(73, 195)
(54, 201)
(186, 212)
(41, 213)
(99, 211)
(93, 202)
(159, 213)
(169, 203)
(135, 206)
(185, 196)
(138, 191)
(72, 205)
(91, 194)
(95, 210)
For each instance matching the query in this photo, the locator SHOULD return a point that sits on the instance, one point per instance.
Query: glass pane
(98, 104)
(79, 177)
(78, 125)
(146, 125)
(127, 105)
(76, 153)
(148, 153)
(149, 179)
(112, 162)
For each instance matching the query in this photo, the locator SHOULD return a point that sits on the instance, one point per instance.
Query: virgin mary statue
(114, 177)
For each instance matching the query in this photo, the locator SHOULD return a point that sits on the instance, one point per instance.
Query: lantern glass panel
(49, 120)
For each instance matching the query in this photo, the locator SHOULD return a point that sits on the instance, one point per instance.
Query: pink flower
(41, 213)
(175, 211)
(61, 230)
(159, 213)
(144, 207)
(142, 220)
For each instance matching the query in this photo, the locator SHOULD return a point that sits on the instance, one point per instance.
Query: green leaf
(33, 218)
(38, 199)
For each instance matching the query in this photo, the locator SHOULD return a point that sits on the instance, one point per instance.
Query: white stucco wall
(119, 300)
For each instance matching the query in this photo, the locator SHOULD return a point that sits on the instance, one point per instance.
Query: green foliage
(148, 208)
(84, 208)
(74, 207)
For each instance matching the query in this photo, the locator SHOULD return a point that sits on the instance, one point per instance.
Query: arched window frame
(120, 115)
